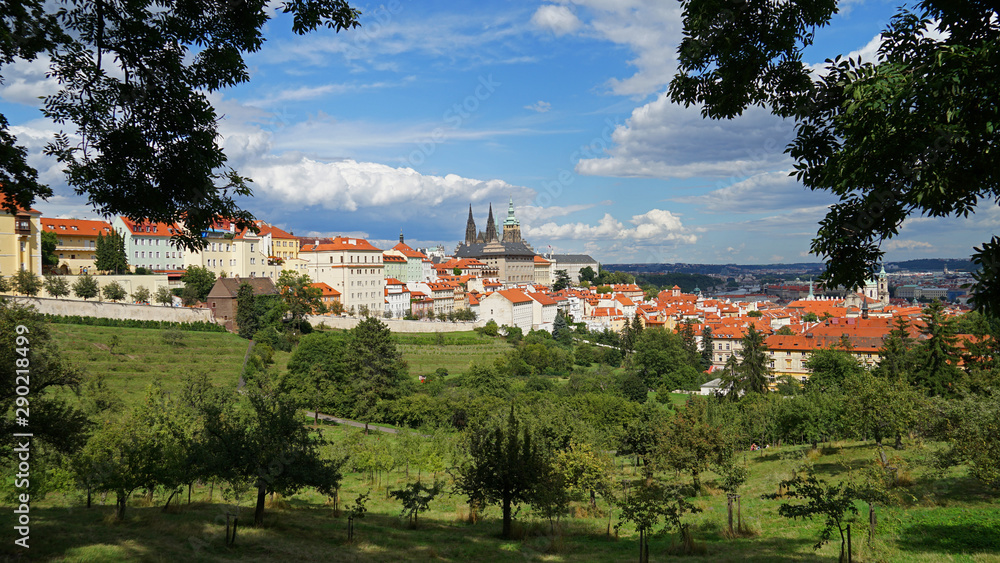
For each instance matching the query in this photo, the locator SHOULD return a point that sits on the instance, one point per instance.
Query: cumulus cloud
(26, 82)
(531, 214)
(539, 106)
(906, 244)
(349, 185)
(560, 20)
(762, 193)
(666, 140)
(652, 226)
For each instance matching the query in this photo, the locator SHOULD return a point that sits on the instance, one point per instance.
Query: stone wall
(106, 310)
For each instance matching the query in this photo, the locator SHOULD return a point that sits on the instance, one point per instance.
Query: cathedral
(506, 252)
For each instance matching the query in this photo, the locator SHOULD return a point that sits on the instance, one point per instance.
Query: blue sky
(431, 106)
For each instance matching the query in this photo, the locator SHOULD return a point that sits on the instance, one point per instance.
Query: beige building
(77, 243)
(352, 266)
(20, 241)
(543, 271)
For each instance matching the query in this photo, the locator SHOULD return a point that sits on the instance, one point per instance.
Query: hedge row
(197, 326)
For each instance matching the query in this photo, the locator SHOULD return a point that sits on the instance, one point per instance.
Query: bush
(276, 340)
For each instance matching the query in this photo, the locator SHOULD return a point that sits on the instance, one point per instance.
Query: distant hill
(808, 268)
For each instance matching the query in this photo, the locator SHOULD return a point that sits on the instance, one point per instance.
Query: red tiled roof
(514, 296)
(341, 243)
(83, 227)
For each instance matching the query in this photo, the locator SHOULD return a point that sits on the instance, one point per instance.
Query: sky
(430, 107)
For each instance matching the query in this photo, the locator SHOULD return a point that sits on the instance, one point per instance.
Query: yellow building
(20, 240)
(77, 244)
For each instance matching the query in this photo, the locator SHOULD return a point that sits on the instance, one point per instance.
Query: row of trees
(85, 287)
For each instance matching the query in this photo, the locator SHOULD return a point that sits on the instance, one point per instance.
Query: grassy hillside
(954, 522)
(939, 516)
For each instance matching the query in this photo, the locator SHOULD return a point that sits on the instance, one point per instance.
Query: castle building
(508, 254)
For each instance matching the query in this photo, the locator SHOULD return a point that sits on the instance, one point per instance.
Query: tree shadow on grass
(952, 538)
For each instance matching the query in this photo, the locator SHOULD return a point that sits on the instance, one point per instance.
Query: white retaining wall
(106, 310)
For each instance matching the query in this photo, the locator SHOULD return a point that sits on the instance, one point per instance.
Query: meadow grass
(938, 516)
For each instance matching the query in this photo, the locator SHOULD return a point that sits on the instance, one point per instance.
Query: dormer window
(63, 227)
(75, 228)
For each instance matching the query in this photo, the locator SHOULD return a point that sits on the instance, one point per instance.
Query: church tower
(511, 226)
(883, 286)
(491, 228)
(470, 228)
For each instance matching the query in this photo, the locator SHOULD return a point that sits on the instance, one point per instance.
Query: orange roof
(326, 289)
(542, 299)
(540, 260)
(275, 232)
(514, 296)
(341, 243)
(149, 229)
(393, 281)
(393, 258)
(3, 200)
(76, 226)
(407, 251)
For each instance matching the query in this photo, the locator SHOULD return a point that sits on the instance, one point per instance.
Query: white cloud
(539, 106)
(25, 82)
(560, 20)
(653, 226)
(349, 185)
(906, 244)
(666, 140)
(762, 193)
(530, 214)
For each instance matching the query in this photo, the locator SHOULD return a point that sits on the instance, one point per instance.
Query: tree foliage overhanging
(914, 132)
(135, 80)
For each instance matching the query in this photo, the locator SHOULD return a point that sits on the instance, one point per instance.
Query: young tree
(503, 466)
(300, 298)
(56, 286)
(50, 241)
(660, 359)
(707, 348)
(835, 503)
(587, 274)
(689, 443)
(877, 407)
(257, 438)
(376, 366)
(110, 253)
(85, 287)
(163, 296)
(246, 311)
(27, 283)
(319, 374)
(873, 132)
(754, 371)
(937, 356)
(647, 504)
(830, 367)
(416, 498)
(141, 295)
(562, 281)
(560, 329)
(113, 291)
(198, 282)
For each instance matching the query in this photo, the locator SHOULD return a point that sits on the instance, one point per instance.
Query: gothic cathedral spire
(470, 228)
(491, 228)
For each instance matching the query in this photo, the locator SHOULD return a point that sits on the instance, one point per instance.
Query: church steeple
(491, 228)
(400, 235)
(470, 228)
(511, 226)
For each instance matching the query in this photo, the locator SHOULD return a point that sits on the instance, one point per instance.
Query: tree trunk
(120, 499)
(258, 513)
(593, 499)
(697, 482)
(507, 531)
(170, 498)
(899, 441)
(88, 497)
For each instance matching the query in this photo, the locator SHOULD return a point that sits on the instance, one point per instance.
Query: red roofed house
(76, 246)
(328, 295)
(414, 270)
(397, 298)
(508, 307)
(353, 267)
(543, 271)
